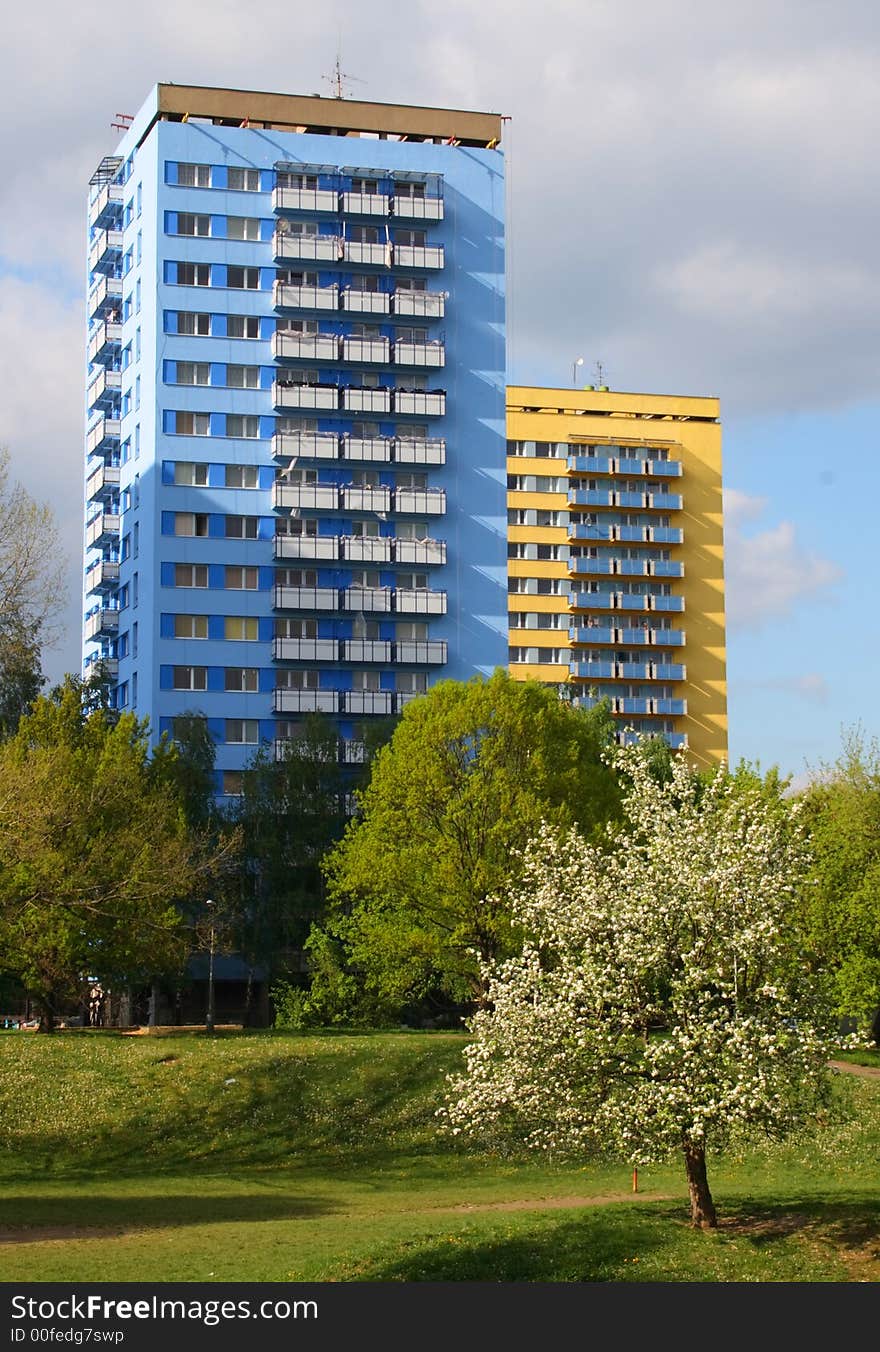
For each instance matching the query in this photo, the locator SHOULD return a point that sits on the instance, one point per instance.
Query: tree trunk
(47, 1017)
(248, 998)
(702, 1207)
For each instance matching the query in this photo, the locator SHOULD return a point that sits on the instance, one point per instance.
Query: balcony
(419, 354)
(310, 497)
(305, 446)
(102, 529)
(419, 451)
(420, 652)
(373, 599)
(366, 650)
(305, 650)
(352, 753)
(666, 468)
(666, 502)
(105, 298)
(365, 203)
(359, 251)
(369, 702)
(418, 256)
(668, 671)
(358, 499)
(102, 483)
(420, 403)
(626, 567)
(306, 598)
(288, 395)
(366, 548)
(104, 342)
(590, 464)
(659, 469)
(590, 497)
(107, 667)
(104, 389)
(366, 302)
(105, 251)
(412, 601)
(101, 623)
(106, 206)
(287, 297)
(420, 304)
(286, 701)
(305, 199)
(375, 449)
(305, 346)
(366, 350)
(595, 633)
(102, 436)
(420, 551)
(668, 638)
(306, 547)
(366, 399)
(420, 501)
(307, 248)
(417, 208)
(102, 576)
(592, 671)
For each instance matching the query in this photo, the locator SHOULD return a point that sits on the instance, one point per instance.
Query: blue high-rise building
(295, 482)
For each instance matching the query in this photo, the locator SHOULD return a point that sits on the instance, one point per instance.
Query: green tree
(841, 912)
(421, 880)
(94, 853)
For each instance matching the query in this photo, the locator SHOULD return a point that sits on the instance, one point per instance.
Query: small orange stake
(635, 1180)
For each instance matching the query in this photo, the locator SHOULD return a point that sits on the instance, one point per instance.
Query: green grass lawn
(269, 1157)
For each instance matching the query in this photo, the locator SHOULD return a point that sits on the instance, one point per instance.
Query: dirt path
(850, 1068)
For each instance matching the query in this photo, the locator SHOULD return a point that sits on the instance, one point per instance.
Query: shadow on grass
(846, 1224)
(30, 1219)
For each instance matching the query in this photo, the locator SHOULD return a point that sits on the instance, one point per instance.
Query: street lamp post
(579, 361)
(209, 1016)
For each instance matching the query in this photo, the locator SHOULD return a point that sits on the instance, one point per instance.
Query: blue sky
(694, 203)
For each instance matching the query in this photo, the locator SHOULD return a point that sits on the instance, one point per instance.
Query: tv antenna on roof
(600, 377)
(338, 78)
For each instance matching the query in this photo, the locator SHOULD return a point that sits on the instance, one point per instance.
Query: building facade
(295, 441)
(615, 557)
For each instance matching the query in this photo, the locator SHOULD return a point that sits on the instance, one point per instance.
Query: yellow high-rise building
(616, 557)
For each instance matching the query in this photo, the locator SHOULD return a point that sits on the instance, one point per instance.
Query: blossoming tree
(659, 1003)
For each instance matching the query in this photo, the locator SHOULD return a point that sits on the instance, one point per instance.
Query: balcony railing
(372, 599)
(361, 252)
(102, 529)
(418, 256)
(305, 650)
(104, 389)
(422, 403)
(102, 482)
(305, 199)
(105, 250)
(285, 395)
(365, 204)
(305, 446)
(420, 451)
(417, 208)
(288, 297)
(308, 248)
(102, 576)
(420, 551)
(366, 650)
(351, 752)
(418, 652)
(366, 302)
(420, 501)
(358, 499)
(375, 449)
(106, 205)
(420, 354)
(626, 567)
(369, 702)
(366, 548)
(607, 632)
(287, 701)
(305, 346)
(101, 622)
(420, 304)
(362, 399)
(102, 435)
(366, 350)
(311, 497)
(412, 601)
(105, 297)
(104, 342)
(306, 598)
(306, 547)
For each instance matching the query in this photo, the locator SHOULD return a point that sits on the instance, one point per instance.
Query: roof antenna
(338, 79)
(600, 377)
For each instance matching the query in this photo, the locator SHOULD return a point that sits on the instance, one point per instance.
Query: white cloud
(768, 572)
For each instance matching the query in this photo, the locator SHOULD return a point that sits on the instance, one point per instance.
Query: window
(412, 530)
(365, 577)
(243, 279)
(241, 678)
(291, 180)
(194, 274)
(361, 282)
(243, 180)
(190, 575)
(243, 730)
(239, 425)
(297, 629)
(365, 185)
(295, 277)
(408, 382)
(412, 682)
(409, 632)
(190, 523)
(188, 224)
(296, 577)
(409, 190)
(300, 229)
(298, 680)
(242, 476)
(409, 335)
(413, 238)
(194, 175)
(242, 227)
(233, 783)
(410, 284)
(242, 527)
(299, 476)
(240, 628)
(193, 325)
(242, 326)
(297, 326)
(365, 234)
(190, 678)
(192, 424)
(193, 372)
(187, 474)
(190, 626)
(411, 479)
(241, 579)
(297, 526)
(243, 377)
(361, 529)
(413, 581)
(365, 680)
(411, 432)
